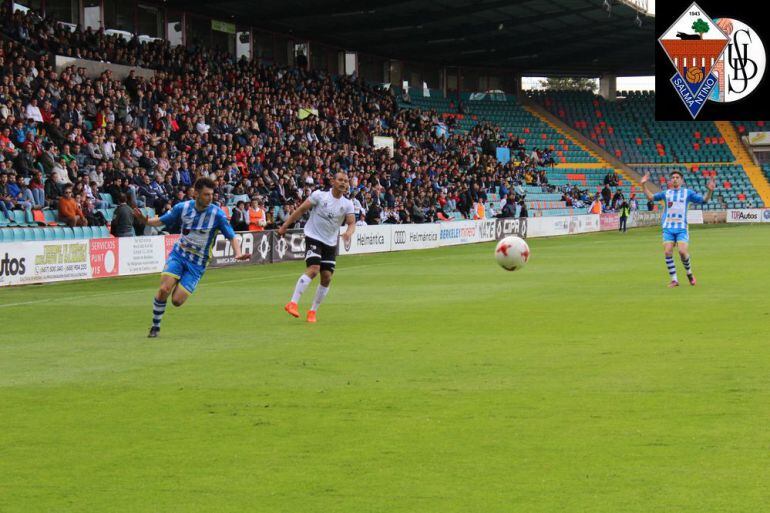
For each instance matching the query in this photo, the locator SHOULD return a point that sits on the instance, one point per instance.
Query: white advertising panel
(367, 239)
(695, 217)
(746, 215)
(40, 262)
(141, 255)
(415, 236)
(459, 232)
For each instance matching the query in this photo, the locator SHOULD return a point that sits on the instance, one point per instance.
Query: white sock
(302, 284)
(320, 294)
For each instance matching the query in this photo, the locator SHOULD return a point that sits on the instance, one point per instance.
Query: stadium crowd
(266, 135)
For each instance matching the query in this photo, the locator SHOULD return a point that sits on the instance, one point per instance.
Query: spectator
(373, 214)
(37, 189)
(596, 205)
(509, 209)
(52, 190)
(18, 193)
(257, 218)
(239, 218)
(6, 204)
(70, 211)
(123, 219)
(606, 196)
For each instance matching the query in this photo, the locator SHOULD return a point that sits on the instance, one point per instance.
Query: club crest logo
(719, 60)
(741, 68)
(694, 44)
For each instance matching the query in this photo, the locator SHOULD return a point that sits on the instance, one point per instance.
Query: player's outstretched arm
(150, 221)
(295, 216)
(646, 186)
(237, 252)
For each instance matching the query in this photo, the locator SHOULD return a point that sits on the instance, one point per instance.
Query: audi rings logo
(399, 237)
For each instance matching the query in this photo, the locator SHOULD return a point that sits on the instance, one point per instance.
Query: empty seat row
(53, 233)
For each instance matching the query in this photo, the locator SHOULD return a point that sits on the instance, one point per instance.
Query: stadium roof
(534, 37)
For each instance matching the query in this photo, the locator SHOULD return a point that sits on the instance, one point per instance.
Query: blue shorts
(676, 235)
(188, 273)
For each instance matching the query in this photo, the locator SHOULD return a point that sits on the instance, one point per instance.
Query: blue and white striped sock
(686, 264)
(158, 309)
(671, 268)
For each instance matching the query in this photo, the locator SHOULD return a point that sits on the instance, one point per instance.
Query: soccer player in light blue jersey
(199, 221)
(674, 220)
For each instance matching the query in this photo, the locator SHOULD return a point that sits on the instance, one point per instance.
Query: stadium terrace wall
(44, 262)
(95, 68)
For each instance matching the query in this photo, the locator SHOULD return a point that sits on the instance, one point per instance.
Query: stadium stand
(149, 139)
(628, 130)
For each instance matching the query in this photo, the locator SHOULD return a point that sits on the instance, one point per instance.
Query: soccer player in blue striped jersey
(199, 221)
(674, 220)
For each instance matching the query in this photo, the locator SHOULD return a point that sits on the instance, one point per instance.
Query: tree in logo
(701, 27)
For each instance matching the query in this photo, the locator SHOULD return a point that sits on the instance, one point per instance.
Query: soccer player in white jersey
(328, 210)
(674, 220)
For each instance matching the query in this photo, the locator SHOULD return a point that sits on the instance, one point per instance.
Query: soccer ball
(694, 75)
(512, 253)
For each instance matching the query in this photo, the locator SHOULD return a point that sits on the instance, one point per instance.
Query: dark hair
(200, 183)
(675, 172)
(122, 198)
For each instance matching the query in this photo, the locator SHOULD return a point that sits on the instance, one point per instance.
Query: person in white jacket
(33, 111)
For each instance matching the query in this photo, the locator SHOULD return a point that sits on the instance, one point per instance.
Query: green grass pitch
(433, 382)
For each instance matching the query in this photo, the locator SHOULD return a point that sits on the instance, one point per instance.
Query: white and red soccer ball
(512, 253)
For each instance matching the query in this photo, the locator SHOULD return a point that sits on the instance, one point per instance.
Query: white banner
(39, 262)
(141, 255)
(759, 138)
(563, 225)
(640, 218)
(748, 215)
(368, 239)
(695, 217)
(588, 223)
(486, 230)
(380, 141)
(459, 232)
(415, 236)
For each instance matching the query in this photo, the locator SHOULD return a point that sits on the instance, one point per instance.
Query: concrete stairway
(605, 158)
(743, 158)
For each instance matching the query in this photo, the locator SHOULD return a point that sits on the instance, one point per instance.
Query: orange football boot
(292, 308)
